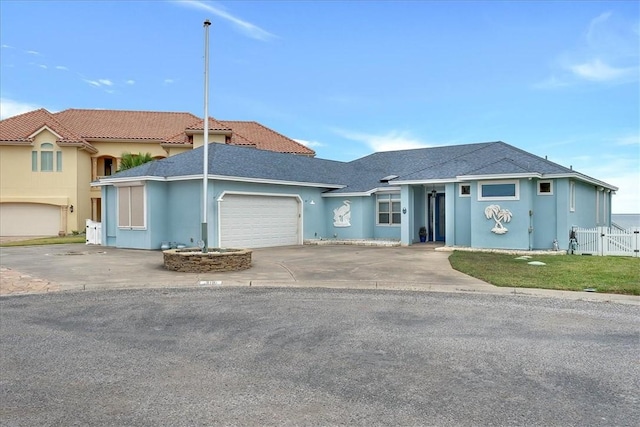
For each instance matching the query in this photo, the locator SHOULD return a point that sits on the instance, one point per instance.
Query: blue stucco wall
(544, 222)
(518, 235)
(461, 221)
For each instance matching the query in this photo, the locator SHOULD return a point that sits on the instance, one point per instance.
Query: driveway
(77, 267)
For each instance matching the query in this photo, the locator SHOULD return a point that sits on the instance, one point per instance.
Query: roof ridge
(278, 133)
(535, 155)
(430, 165)
(126, 111)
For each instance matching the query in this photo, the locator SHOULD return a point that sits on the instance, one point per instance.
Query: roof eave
(584, 178)
(486, 177)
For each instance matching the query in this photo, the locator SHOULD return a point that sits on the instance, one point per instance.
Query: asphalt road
(230, 356)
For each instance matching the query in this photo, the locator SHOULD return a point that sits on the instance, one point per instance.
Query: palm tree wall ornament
(499, 216)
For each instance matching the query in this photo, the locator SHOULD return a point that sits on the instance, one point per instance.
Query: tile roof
(363, 175)
(83, 126)
(20, 128)
(264, 138)
(121, 124)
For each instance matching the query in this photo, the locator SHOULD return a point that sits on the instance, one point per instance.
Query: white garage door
(29, 219)
(259, 221)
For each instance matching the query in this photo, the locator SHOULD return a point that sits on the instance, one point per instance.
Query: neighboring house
(486, 195)
(48, 160)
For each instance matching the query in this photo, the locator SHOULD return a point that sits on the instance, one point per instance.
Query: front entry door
(440, 208)
(436, 217)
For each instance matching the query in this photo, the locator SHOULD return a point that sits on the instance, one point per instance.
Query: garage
(259, 221)
(29, 219)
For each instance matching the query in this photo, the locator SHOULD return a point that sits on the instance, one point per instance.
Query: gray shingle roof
(361, 175)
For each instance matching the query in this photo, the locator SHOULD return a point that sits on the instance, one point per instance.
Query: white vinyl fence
(94, 232)
(608, 241)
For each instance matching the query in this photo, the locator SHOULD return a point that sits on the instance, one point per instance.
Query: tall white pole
(205, 161)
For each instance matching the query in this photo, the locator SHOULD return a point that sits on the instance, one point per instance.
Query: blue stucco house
(485, 195)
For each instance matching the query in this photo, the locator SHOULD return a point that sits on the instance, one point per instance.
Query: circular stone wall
(192, 260)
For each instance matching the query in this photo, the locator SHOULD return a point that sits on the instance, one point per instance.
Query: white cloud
(596, 70)
(42, 66)
(92, 82)
(607, 53)
(390, 141)
(130, 82)
(309, 144)
(245, 27)
(61, 67)
(6, 46)
(168, 81)
(105, 82)
(10, 108)
(32, 52)
(628, 140)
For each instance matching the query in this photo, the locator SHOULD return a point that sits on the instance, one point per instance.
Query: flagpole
(205, 161)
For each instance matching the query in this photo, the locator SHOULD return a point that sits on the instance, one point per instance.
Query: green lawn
(616, 275)
(80, 238)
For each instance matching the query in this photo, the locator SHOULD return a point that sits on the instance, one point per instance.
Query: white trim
(364, 193)
(427, 181)
(584, 178)
(45, 127)
(499, 182)
(460, 185)
(220, 199)
(572, 196)
(544, 181)
(112, 181)
(390, 200)
(144, 208)
(498, 177)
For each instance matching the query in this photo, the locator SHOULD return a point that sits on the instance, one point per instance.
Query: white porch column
(408, 221)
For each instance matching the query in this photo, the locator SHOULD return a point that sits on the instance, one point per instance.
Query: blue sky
(560, 79)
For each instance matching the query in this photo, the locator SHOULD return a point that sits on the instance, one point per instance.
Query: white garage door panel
(29, 219)
(258, 221)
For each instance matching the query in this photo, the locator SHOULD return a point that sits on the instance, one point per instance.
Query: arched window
(46, 159)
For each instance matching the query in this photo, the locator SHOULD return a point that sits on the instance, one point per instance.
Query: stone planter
(192, 260)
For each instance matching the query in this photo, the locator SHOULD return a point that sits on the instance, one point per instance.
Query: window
(46, 157)
(389, 209)
(131, 207)
(465, 190)
(572, 196)
(545, 188)
(499, 190)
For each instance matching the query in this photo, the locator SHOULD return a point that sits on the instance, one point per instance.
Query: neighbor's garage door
(29, 219)
(248, 221)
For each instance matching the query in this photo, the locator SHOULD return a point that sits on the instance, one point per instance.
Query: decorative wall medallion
(499, 216)
(342, 215)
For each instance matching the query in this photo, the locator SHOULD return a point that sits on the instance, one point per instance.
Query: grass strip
(47, 241)
(616, 275)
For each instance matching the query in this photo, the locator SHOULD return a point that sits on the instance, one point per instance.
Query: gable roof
(82, 127)
(21, 129)
(457, 163)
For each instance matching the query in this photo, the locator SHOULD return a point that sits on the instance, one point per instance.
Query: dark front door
(440, 208)
(436, 217)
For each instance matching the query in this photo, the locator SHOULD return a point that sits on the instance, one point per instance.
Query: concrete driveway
(39, 269)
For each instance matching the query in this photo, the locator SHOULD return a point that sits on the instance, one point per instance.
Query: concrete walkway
(77, 267)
